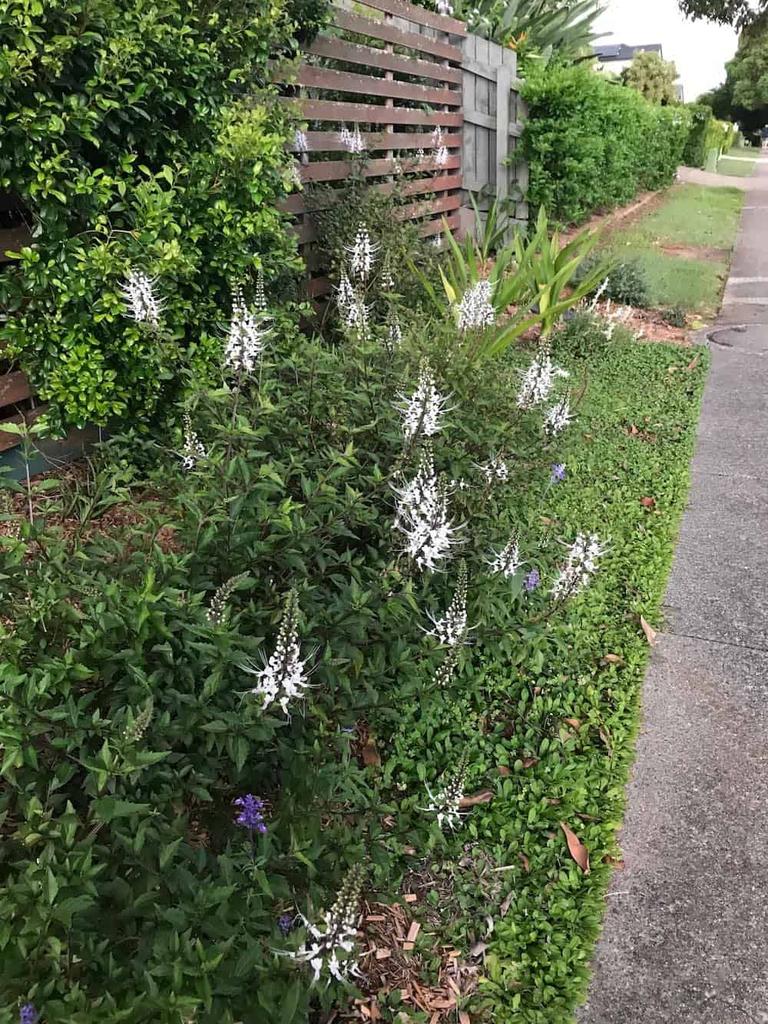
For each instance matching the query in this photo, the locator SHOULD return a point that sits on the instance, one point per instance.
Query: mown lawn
(550, 735)
(739, 168)
(684, 246)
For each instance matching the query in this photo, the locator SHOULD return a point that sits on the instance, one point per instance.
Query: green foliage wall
(593, 144)
(137, 133)
(706, 134)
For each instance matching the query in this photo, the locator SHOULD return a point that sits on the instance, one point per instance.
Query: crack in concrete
(718, 643)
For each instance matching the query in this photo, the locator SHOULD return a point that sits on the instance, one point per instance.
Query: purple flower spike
(531, 581)
(28, 1014)
(558, 472)
(250, 815)
(285, 923)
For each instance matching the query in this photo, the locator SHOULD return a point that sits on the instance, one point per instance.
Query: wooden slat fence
(393, 71)
(493, 116)
(16, 400)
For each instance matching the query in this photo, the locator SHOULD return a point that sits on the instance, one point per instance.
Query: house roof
(608, 52)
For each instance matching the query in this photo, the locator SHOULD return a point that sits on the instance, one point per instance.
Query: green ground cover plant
(344, 549)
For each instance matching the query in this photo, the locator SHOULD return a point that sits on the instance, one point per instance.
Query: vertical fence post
(503, 87)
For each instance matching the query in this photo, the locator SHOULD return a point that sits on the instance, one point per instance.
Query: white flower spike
(507, 561)
(362, 254)
(580, 566)
(538, 381)
(451, 629)
(476, 310)
(558, 417)
(245, 338)
(422, 413)
(139, 293)
(284, 678)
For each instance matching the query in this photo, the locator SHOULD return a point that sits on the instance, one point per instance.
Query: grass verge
(738, 168)
(684, 245)
(557, 722)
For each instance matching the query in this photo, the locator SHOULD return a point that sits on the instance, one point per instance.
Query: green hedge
(706, 134)
(138, 134)
(593, 144)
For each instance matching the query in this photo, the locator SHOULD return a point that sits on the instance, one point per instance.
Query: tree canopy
(744, 95)
(652, 76)
(727, 12)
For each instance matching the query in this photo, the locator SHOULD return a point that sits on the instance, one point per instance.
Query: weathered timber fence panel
(17, 403)
(493, 116)
(393, 71)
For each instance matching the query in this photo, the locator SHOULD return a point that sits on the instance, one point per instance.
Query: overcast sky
(699, 48)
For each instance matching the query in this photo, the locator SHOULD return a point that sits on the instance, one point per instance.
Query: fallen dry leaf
(506, 904)
(503, 770)
(483, 797)
(576, 848)
(650, 632)
(573, 722)
(464, 1017)
(613, 659)
(525, 862)
(694, 362)
(529, 762)
(648, 502)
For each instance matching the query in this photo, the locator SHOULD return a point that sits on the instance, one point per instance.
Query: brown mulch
(707, 253)
(392, 961)
(608, 221)
(46, 506)
(650, 325)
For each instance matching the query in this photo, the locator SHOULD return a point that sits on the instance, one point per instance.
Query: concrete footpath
(686, 930)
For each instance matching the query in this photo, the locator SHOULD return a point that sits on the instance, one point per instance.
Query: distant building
(617, 57)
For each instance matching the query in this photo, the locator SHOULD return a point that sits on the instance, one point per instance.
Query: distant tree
(748, 72)
(727, 12)
(744, 95)
(653, 76)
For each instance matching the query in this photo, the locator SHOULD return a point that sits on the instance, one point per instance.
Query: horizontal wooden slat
(337, 170)
(436, 227)
(13, 239)
(418, 15)
(368, 56)
(489, 121)
(369, 85)
(8, 441)
(419, 186)
(329, 142)
(376, 29)
(14, 387)
(416, 210)
(363, 113)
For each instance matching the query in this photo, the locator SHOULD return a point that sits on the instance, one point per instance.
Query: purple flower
(285, 923)
(28, 1014)
(558, 473)
(531, 581)
(250, 815)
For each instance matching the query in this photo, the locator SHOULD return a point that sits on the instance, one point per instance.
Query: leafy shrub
(706, 134)
(627, 283)
(592, 144)
(128, 726)
(138, 135)
(675, 317)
